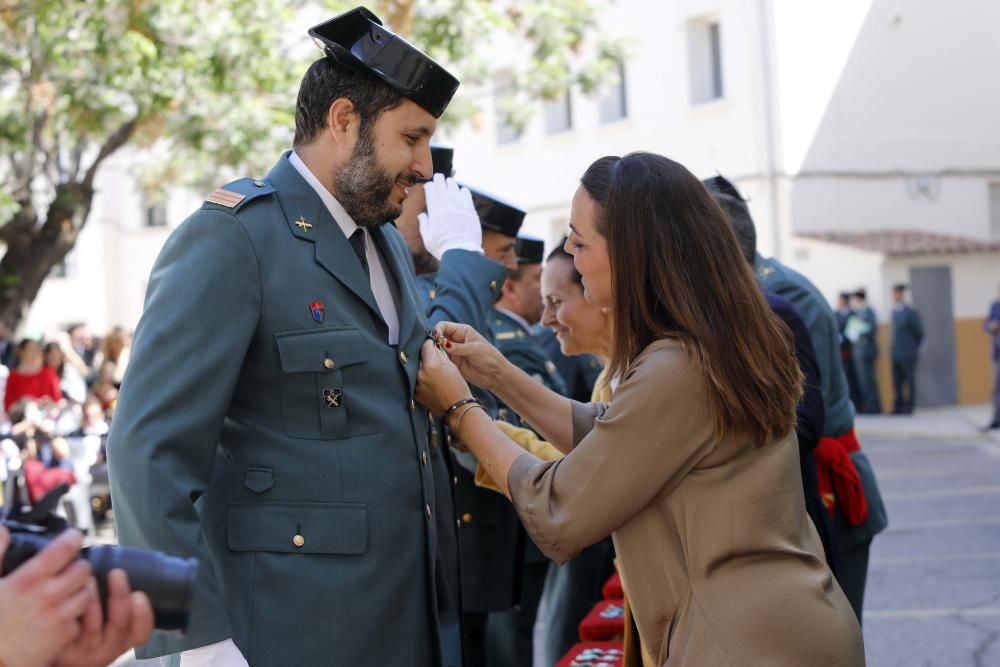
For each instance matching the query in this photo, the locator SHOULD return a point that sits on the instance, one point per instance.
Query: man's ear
(342, 122)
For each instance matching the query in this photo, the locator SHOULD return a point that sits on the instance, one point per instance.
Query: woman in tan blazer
(693, 466)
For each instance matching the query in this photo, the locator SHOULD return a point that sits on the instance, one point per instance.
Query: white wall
(917, 92)
(836, 268)
(956, 206)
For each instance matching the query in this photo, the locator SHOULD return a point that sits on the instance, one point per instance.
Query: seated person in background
(31, 378)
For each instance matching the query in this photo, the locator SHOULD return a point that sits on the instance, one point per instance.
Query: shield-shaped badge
(317, 310)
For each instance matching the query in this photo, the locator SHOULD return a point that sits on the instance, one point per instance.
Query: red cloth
(839, 483)
(612, 589)
(31, 385)
(40, 480)
(609, 652)
(605, 621)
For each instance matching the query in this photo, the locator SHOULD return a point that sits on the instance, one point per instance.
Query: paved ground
(933, 595)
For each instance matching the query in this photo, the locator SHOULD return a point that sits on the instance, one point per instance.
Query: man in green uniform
(461, 277)
(853, 540)
(518, 309)
(266, 423)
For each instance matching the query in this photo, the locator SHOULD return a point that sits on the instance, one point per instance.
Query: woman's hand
(439, 384)
(479, 362)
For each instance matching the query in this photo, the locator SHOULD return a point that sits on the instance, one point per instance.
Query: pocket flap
(289, 527)
(309, 351)
(258, 480)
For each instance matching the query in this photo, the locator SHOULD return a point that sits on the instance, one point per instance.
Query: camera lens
(167, 581)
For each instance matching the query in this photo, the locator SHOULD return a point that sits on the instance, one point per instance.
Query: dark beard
(363, 187)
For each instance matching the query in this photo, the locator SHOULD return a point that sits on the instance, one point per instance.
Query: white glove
(450, 222)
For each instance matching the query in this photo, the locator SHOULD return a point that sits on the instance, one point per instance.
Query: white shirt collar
(344, 220)
(514, 316)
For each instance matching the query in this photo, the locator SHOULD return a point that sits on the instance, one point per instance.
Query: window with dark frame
(558, 114)
(506, 132)
(156, 214)
(612, 105)
(705, 60)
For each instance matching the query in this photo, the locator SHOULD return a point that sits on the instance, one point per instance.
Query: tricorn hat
(724, 186)
(441, 157)
(357, 39)
(529, 250)
(496, 214)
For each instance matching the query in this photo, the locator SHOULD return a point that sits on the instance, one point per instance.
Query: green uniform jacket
(523, 350)
(825, 335)
(286, 453)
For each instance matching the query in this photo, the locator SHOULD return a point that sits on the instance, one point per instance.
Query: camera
(166, 580)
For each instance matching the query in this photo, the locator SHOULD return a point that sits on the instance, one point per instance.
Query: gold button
(458, 523)
(413, 406)
(434, 293)
(328, 363)
(427, 508)
(423, 457)
(299, 541)
(466, 518)
(403, 357)
(259, 183)
(493, 285)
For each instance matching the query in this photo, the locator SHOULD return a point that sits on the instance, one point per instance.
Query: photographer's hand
(130, 622)
(41, 602)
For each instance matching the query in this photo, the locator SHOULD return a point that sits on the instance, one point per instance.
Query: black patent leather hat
(441, 157)
(723, 186)
(357, 39)
(529, 250)
(496, 214)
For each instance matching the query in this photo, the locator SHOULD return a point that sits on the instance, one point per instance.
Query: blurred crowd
(59, 398)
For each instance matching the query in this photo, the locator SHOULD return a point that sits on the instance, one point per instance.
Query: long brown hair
(677, 272)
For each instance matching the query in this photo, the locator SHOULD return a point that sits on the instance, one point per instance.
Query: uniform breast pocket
(322, 372)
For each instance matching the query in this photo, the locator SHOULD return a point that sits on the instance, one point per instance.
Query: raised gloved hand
(450, 222)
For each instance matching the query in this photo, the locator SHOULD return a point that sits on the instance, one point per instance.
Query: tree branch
(117, 139)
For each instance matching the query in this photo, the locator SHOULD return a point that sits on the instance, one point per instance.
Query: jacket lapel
(309, 219)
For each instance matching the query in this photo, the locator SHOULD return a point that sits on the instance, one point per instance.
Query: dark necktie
(358, 243)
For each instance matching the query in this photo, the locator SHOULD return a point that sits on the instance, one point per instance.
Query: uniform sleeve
(810, 413)
(201, 310)
(465, 288)
(628, 451)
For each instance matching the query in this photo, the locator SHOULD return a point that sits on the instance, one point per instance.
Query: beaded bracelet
(457, 404)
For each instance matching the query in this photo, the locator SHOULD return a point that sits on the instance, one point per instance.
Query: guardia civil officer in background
(865, 348)
(461, 274)
(906, 335)
(856, 504)
(490, 536)
(267, 426)
(456, 280)
(518, 309)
